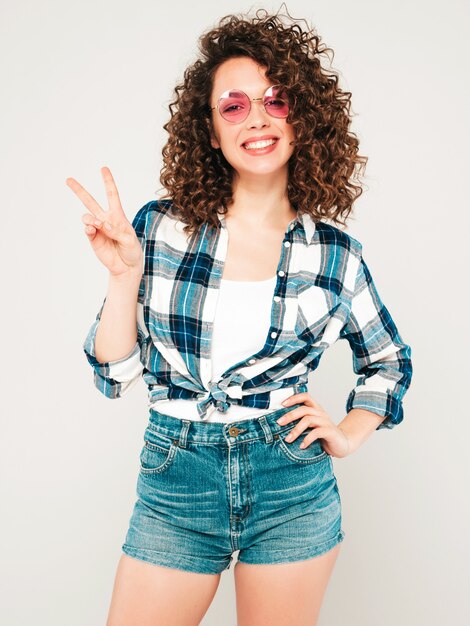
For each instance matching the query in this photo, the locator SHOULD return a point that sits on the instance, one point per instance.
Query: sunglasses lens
(276, 102)
(234, 106)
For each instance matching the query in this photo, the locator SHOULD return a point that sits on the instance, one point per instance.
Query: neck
(261, 202)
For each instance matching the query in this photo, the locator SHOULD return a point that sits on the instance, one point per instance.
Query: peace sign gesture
(110, 233)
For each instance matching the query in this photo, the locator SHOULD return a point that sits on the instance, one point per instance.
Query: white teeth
(259, 144)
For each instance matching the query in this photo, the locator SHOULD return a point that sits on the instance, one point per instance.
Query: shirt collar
(309, 225)
(305, 220)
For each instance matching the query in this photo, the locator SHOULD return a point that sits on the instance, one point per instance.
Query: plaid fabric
(324, 292)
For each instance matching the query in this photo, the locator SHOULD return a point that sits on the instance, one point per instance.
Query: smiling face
(244, 74)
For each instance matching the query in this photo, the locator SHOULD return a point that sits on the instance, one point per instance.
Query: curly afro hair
(325, 163)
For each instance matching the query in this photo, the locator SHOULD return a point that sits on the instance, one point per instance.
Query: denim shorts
(206, 490)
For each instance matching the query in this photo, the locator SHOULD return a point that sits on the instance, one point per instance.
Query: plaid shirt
(324, 292)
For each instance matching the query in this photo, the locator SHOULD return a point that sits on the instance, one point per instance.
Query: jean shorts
(206, 490)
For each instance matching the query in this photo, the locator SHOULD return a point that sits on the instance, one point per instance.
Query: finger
(295, 432)
(312, 436)
(114, 201)
(91, 220)
(309, 401)
(87, 199)
(306, 441)
(299, 429)
(295, 414)
(304, 397)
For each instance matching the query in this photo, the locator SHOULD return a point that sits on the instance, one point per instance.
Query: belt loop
(266, 428)
(183, 438)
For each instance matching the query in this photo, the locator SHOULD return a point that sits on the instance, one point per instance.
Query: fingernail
(107, 225)
(280, 420)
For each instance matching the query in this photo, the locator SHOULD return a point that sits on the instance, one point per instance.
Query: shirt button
(252, 361)
(281, 273)
(286, 244)
(276, 298)
(274, 335)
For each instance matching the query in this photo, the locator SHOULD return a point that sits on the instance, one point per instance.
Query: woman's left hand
(334, 440)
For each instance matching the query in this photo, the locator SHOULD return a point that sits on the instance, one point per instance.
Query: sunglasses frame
(250, 100)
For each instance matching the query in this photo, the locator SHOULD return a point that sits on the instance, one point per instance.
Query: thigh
(284, 593)
(154, 595)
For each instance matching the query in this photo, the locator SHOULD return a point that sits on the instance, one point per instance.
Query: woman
(240, 287)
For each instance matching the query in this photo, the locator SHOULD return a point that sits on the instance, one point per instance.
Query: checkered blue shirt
(324, 292)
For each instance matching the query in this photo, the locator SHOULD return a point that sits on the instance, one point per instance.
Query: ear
(214, 142)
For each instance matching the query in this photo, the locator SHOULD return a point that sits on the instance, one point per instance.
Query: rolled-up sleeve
(379, 354)
(115, 378)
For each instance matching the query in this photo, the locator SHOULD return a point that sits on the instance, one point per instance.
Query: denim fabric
(206, 490)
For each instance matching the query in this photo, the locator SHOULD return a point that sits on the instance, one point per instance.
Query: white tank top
(241, 325)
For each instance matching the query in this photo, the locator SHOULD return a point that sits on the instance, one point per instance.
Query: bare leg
(152, 595)
(283, 594)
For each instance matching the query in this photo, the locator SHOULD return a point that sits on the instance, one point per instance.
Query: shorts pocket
(158, 452)
(313, 453)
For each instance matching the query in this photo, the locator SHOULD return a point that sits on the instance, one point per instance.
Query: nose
(257, 116)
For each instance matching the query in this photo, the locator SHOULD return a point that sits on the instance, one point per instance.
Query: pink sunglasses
(234, 105)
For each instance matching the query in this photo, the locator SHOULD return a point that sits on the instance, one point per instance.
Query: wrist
(358, 425)
(349, 442)
(131, 276)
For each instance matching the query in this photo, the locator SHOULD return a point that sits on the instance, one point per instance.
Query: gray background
(88, 84)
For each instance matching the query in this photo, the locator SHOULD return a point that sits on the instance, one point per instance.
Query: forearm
(116, 333)
(358, 425)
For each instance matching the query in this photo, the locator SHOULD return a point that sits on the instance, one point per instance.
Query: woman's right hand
(119, 248)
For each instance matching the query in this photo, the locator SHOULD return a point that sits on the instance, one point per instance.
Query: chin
(263, 171)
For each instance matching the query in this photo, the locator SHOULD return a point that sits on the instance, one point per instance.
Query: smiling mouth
(259, 145)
